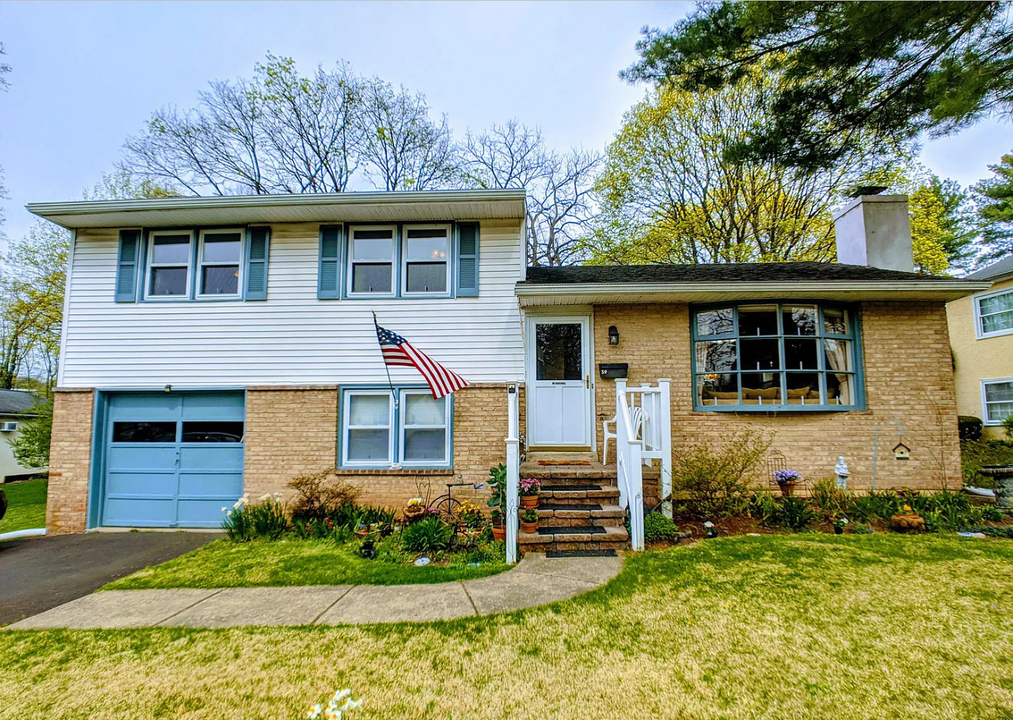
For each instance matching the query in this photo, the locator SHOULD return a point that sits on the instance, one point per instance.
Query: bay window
(378, 434)
(775, 356)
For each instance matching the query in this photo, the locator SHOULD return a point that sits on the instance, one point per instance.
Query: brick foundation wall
(70, 462)
(908, 377)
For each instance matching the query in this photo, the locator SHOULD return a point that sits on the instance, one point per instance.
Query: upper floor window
(775, 356)
(426, 260)
(168, 264)
(372, 253)
(994, 313)
(221, 253)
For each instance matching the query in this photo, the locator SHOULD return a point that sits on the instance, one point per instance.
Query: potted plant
(786, 480)
(529, 521)
(529, 489)
(497, 481)
(414, 510)
(839, 525)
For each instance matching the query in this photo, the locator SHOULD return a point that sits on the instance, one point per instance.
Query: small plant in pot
(497, 503)
(529, 489)
(498, 525)
(529, 521)
(839, 524)
(787, 480)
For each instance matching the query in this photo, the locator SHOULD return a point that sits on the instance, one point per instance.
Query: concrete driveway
(37, 574)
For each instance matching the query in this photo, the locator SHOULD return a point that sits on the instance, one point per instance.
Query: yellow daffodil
(314, 712)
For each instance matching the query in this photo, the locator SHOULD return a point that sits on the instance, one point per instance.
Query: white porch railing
(633, 450)
(513, 466)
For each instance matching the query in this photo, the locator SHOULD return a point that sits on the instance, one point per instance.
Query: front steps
(578, 510)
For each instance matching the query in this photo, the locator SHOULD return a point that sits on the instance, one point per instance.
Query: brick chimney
(875, 230)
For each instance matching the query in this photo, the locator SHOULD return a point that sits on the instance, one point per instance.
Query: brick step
(559, 483)
(585, 495)
(567, 472)
(608, 538)
(564, 514)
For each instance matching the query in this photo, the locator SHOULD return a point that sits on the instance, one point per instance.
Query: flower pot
(787, 489)
(529, 501)
(499, 532)
(529, 527)
(907, 522)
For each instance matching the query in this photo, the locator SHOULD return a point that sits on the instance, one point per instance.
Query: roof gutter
(57, 209)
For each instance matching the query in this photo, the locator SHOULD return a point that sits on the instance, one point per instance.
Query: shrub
(322, 494)
(881, 505)
(712, 478)
(990, 513)
(949, 510)
(1007, 426)
(658, 527)
(830, 500)
(969, 427)
(975, 453)
(999, 532)
(427, 536)
(859, 529)
(265, 520)
(795, 514)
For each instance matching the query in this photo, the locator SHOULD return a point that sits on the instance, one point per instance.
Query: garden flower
(332, 714)
(314, 712)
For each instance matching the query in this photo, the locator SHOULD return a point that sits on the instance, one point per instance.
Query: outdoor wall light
(168, 388)
(613, 335)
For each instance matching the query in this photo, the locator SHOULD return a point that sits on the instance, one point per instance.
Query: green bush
(990, 513)
(763, 506)
(969, 427)
(795, 514)
(999, 532)
(859, 529)
(881, 505)
(427, 536)
(975, 453)
(658, 527)
(830, 500)
(265, 521)
(713, 479)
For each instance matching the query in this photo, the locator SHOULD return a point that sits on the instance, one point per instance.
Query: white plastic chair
(636, 415)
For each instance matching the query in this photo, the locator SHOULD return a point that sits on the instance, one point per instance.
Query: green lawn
(223, 563)
(778, 626)
(26, 505)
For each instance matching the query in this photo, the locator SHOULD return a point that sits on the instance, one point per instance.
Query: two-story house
(981, 332)
(214, 347)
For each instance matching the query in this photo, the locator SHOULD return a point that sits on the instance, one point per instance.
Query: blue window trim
(338, 259)
(191, 296)
(397, 294)
(855, 337)
(396, 427)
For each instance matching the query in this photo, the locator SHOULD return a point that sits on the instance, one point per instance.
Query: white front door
(559, 381)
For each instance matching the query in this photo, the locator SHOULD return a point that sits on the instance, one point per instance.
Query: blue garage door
(172, 459)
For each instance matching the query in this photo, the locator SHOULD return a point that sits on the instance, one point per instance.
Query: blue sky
(86, 75)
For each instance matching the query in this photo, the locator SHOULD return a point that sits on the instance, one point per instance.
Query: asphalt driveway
(37, 574)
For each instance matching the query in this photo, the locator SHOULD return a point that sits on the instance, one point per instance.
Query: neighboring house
(219, 346)
(981, 334)
(16, 408)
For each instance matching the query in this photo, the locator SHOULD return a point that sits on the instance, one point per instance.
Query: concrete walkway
(536, 580)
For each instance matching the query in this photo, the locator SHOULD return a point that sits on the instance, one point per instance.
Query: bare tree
(561, 201)
(403, 148)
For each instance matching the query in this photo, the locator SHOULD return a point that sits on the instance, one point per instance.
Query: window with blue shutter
(467, 259)
(127, 266)
(329, 282)
(257, 253)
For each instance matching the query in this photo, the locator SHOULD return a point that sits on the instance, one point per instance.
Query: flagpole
(376, 326)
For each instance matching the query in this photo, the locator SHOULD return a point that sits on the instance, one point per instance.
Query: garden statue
(841, 470)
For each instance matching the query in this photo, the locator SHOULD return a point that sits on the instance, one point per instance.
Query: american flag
(398, 352)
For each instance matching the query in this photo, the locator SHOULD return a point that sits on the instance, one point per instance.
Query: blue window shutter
(329, 284)
(257, 253)
(467, 259)
(128, 266)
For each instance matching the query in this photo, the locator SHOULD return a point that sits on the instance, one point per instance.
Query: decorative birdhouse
(902, 452)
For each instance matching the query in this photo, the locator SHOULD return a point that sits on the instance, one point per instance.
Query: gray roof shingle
(18, 402)
(719, 273)
(998, 269)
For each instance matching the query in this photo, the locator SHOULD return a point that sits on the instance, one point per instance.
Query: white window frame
(151, 265)
(346, 427)
(350, 270)
(979, 331)
(201, 264)
(984, 402)
(404, 260)
(445, 462)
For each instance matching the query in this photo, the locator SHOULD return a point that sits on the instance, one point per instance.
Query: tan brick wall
(69, 462)
(908, 377)
(294, 431)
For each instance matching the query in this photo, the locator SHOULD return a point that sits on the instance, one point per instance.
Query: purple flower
(786, 476)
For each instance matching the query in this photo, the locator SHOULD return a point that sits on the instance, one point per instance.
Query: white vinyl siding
(293, 338)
